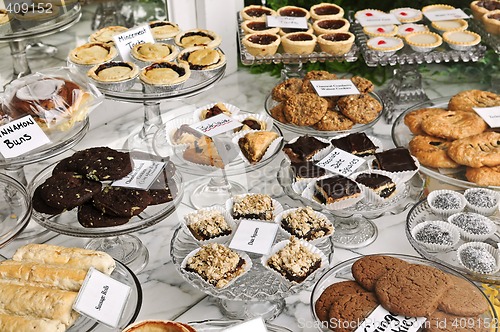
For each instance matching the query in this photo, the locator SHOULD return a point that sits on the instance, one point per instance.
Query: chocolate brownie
(103, 163)
(65, 190)
(357, 143)
(368, 269)
(39, 204)
(122, 202)
(463, 299)
(394, 160)
(90, 217)
(304, 148)
(332, 293)
(349, 311)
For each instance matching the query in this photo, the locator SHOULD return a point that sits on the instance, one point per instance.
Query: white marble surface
(165, 294)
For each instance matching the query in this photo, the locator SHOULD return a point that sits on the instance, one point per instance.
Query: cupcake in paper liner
(253, 206)
(213, 224)
(446, 202)
(473, 226)
(253, 121)
(481, 200)
(334, 192)
(378, 186)
(305, 224)
(478, 257)
(216, 265)
(304, 148)
(436, 235)
(179, 133)
(397, 161)
(257, 145)
(213, 109)
(295, 260)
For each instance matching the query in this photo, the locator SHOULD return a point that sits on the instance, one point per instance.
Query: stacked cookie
(410, 290)
(300, 105)
(457, 136)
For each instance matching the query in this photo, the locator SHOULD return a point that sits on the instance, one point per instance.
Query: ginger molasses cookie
(102, 163)
(349, 311)
(431, 151)
(305, 109)
(90, 217)
(333, 120)
(368, 269)
(361, 108)
(477, 151)
(413, 120)
(286, 89)
(454, 125)
(333, 293)
(278, 114)
(122, 202)
(443, 322)
(463, 299)
(413, 291)
(464, 101)
(484, 176)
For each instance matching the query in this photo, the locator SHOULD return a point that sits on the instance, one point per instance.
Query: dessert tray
(422, 212)
(220, 325)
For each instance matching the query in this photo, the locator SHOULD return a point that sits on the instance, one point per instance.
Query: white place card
(21, 136)
(254, 236)
(329, 88)
(254, 325)
(286, 22)
(341, 162)
(491, 115)
(446, 15)
(382, 320)
(125, 41)
(216, 125)
(143, 175)
(377, 19)
(102, 298)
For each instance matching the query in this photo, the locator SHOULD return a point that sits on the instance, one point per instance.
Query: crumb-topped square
(207, 224)
(295, 261)
(306, 224)
(216, 264)
(253, 206)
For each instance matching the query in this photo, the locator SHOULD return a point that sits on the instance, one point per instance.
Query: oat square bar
(305, 224)
(216, 264)
(253, 206)
(207, 224)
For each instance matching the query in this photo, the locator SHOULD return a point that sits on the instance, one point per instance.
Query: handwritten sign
(142, 176)
(125, 41)
(446, 15)
(377, 18)
(102, 298)
(254, 325)
(21, 136)
(329, 88)
(491, 115)
(286, 22)
(340, 162)
(254, 236)
(216, 125)
(381, 320)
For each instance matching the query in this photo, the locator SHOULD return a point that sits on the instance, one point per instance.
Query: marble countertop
(165, 294)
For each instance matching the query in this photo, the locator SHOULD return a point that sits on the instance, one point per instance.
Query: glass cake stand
(353, 227)
(258, 293)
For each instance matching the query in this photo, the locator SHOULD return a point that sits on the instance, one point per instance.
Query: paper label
(125, 41)
(216, 125)
(340, 162)
(143, 175)
(21, 136)
(446, 15)
(491, 115)
(377, 19)
(226, 149)
(102, 298)
(287, 22)
(254, 236)
(381, 320)
(254, 325)
(329, 88)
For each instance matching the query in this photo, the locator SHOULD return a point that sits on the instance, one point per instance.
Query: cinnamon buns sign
(21, 136)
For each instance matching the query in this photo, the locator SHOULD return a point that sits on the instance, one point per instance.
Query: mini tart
(367, 13)
(202, 58)
(198, 37)
(284, 31)
(405, 29)
(407, 15)
(299, 43)
(423, 41)
(479, 8)
(253, 26)
(261, 43)
(294, 11)
(461, 40)
(257, 13)
(491, 22)
(154, 52)
(337, 43)
(437, 7)
(385, 44)
(329, 25)
(381, 30)
(162, 30)
(326, 10)
(451, 25)
(113, 71)
(165, 73)
(93, 53)
(105, 35)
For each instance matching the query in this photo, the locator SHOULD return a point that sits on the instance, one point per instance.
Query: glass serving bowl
(421, 212)
(215, 325)
(401, 136)
(342, 272)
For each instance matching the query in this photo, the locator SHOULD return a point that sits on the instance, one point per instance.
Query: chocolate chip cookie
(305, 109)
(39, 204)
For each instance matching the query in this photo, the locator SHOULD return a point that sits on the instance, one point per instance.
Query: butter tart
(337, 43)
(299, 43)
(388, 45)
(105, 35)
(294, 11)
(450, 25)
(330, 25)
(326, 10)
(163, 30)
(257, 13)
(200, 58)
(407, 15)
(405, 29)
(164, 76)
(436, 7)
(252, 26)
(92, 53)
(146, 53)
(198, 37)
(114, 76)
(491, 22)
(284, 31)
(381, 30)
(255, 144)
(461, 40)
(261, 43)
(423, 41)
(481, 7)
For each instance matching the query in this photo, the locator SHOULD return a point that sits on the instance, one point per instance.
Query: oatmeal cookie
(305, 109)
(315, 75)
(361, 108)
(431, 151)
(286, 89)
(278, 114)
(413, 120)
(333, 120)
(477, 151)
(484, 176)
(454, 125)
(364, 85)
(464, 101)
